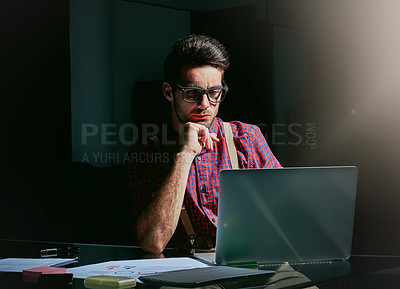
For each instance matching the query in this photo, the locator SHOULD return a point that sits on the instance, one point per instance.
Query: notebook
(299, 214)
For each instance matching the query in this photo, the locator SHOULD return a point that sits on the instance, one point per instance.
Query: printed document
(135, 268)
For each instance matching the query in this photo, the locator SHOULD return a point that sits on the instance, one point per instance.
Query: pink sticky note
(32, 275)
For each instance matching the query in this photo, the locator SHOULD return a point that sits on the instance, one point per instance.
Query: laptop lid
(286, 214)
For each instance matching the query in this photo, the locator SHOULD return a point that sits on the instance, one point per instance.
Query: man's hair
(194, 50)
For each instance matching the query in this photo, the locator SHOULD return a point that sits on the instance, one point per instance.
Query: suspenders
(231, 146)
(235, 165)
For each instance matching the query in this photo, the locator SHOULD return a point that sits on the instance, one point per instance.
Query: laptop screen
(286, 214)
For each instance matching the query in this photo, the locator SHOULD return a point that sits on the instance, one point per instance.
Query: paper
(20, 264)
(135, 268)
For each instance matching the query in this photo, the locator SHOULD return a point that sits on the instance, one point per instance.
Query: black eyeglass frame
(224, 91)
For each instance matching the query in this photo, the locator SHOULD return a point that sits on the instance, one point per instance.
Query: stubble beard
(184, 119)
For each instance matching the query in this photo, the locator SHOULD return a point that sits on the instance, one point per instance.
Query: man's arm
(159, 220)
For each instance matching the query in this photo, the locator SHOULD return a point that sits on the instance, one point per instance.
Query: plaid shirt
(147, 167)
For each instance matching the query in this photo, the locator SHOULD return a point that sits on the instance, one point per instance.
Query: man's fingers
(214, 137)
(209, 143)
(205, 139)
(211, 138)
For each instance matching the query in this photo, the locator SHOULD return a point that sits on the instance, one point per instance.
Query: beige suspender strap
(231, 145)
(187, 225)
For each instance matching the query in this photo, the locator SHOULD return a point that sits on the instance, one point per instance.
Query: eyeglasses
(194, 94)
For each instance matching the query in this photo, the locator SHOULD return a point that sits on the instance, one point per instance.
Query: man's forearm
(158, 222)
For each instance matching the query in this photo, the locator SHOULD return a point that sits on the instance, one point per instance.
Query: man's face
(201, 112)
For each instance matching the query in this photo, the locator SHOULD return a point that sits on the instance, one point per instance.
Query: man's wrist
(185, 156)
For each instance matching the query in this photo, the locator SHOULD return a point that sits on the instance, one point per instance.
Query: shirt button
(213, 220)
(203, 190)
(199, 158)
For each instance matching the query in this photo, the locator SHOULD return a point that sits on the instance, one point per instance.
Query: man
(187, 172)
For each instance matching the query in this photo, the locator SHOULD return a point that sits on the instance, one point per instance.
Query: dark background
(46, 196)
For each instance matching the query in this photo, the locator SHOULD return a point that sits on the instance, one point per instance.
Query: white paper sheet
(135, 268)
(20, 264)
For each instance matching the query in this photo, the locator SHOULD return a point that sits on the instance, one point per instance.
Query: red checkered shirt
(147, 167)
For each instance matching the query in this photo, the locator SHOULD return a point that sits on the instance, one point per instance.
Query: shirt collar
(214, 126)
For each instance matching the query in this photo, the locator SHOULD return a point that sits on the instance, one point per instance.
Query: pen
(59, 252)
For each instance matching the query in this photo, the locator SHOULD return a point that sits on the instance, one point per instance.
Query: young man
(186, 173)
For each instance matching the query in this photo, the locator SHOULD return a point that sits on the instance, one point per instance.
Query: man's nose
(204, 101)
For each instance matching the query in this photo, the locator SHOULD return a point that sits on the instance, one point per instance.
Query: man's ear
(167, 91)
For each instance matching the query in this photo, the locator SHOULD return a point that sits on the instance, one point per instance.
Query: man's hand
(196, 137)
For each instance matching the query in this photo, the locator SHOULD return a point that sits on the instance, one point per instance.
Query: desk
(358, 272)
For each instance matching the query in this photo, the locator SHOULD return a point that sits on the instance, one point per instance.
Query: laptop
(294, 215)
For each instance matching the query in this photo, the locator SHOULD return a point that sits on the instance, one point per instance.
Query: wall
(113, 45)
(91, 83)
(34, 110)
(34, 84)
(142, 36)
(337, 66)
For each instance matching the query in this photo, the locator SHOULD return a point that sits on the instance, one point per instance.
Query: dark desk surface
(357, 272)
